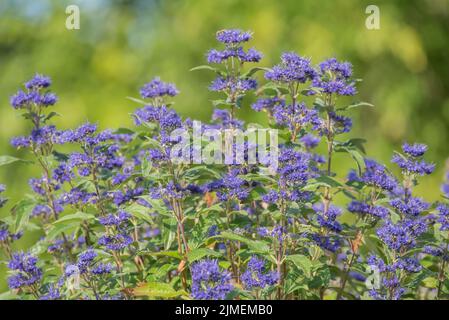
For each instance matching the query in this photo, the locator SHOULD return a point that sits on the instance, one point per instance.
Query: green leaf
(157, 290)
(360, 161)
(430, 282)
(60, 228)
(302, 262)
(205, 67)
(8, 295)
(355, 105)
(252, 71)
(22, 211)
(146, 167)
(140, 212)
(322, 181)
(169, 232)
(73, 218)
(321, 278)
(258, 246)
(171, 254)
(197, 254)
(139, 101)
(51, 115)
(4, 160)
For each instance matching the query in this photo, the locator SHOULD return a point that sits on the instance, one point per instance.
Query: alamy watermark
(72, 22)
(372, 22)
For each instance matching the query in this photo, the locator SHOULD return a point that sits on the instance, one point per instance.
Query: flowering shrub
(119, 219)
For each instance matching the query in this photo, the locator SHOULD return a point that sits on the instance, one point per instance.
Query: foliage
(122, 220)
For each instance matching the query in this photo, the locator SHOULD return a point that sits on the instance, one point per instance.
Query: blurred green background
(124, 43)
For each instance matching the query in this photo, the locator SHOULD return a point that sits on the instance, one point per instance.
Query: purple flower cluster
(334, 77)
(233, 86)
(156, 88)
(217, 56)
(366, 209)
(292, 68)
(375, 175)
(412, 162)
(256, 275)
(296, 116)
(233, 36)
(327, 217)
(88, 264)
(230, 187)
(402, 235)
(209, 282)
(25, 270)
(391, 288)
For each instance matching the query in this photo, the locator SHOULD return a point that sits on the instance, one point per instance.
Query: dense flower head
(156, 88)
(256, 275)
(53, 293)
(375, 175)
(411, 206)
(87, 264)
(364, 208)
(232, 85)
(294, 167)
(391, 287)
(165, 117)
(23, 99)
(38, 81)
(231, 186)
(403, 234)
(233, 36)
(33, 97)
(330, 243)
(115, 242)
(295, 195)
(217, 56)
(26, 271)
(334, 77)
(327, 217)
(293, 68)
(443, 216)
(419, 167)
(414, 150)
(296, 116)
(6, 236)
(340, 124)
(277, 232)
(223, 116)
(310, 141)
(268, 104)
(209, 282)
(115, 220)
(436, 252)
